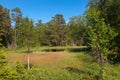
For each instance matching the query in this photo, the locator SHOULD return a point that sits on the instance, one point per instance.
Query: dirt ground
(37, 58)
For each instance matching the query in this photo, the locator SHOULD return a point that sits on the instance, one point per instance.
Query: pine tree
(76, 31)
(16, 18)
(5, 25)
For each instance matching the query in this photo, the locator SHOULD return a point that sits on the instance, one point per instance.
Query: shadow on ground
(53, 50)
(74, 50)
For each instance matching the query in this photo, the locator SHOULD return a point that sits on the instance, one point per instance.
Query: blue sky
(46, 9)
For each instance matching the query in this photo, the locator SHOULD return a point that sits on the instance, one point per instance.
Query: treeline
(17, 31)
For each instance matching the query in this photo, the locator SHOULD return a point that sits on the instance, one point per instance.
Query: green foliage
(100, 36)
(113, 18)
(100, 33)
(3, 60)
(5, 26)
(26, 33)
(76, 31)
(56, 34)
(41, 33)
(16, 15)
(16, 18)
(6, 72)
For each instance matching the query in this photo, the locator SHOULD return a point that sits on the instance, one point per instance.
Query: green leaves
(26, 33)
(3, 59)
(4, 26)
(76, 30)
(100, 33)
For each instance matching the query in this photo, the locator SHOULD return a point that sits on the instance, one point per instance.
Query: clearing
(38, 58)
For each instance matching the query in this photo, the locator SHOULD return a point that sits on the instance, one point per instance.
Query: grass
(45, 49)
(68, 66)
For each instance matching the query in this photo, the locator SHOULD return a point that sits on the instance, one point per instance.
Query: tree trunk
(28, 61)
(101, 63)
(100, 57)
(15, 38)
(28, 52)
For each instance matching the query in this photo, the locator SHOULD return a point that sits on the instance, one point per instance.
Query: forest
(85, 48)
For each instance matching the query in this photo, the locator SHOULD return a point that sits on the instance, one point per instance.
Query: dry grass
(52, 60)
(38, 58)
